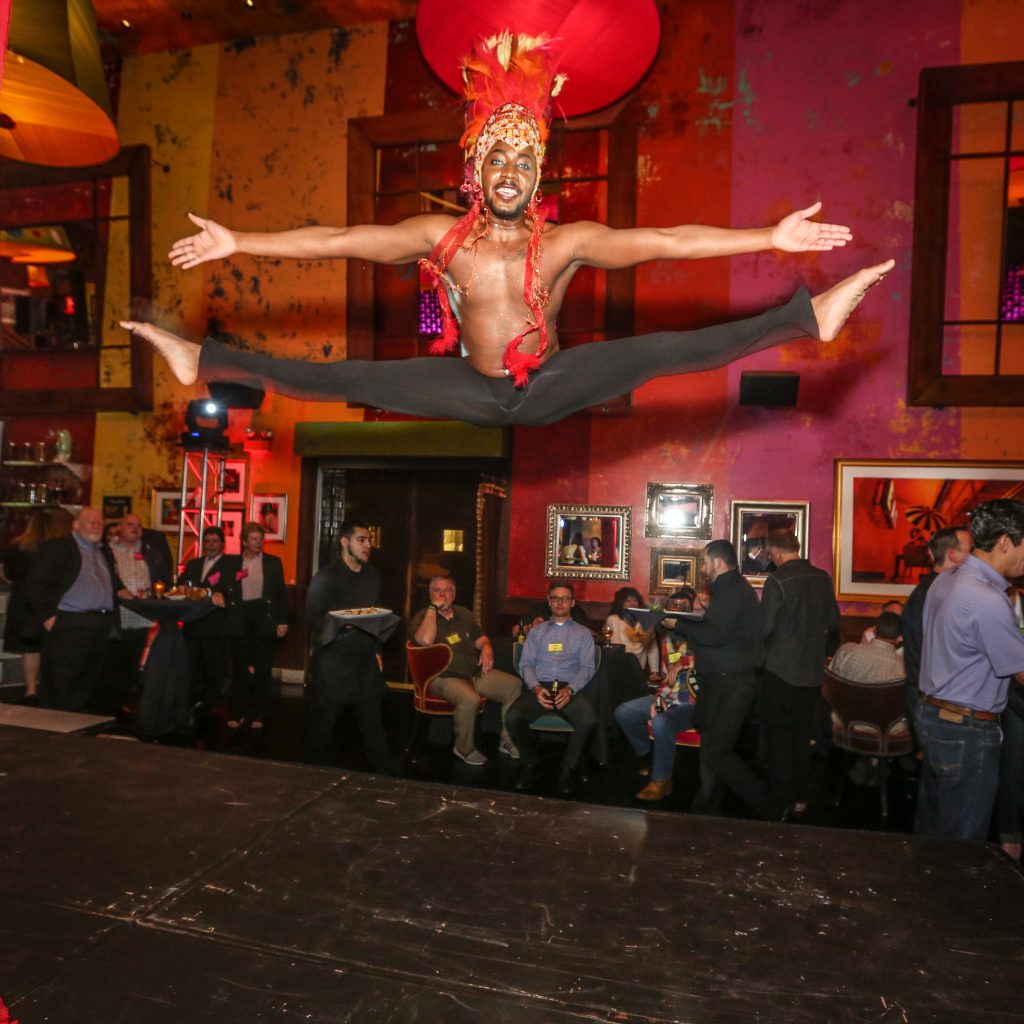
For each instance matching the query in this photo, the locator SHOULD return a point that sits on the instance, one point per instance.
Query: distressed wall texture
(752, 109)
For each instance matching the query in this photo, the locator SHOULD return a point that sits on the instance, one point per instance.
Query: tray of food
(359, 613)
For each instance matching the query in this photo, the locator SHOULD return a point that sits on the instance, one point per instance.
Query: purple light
(430, 312)
(1013, 295)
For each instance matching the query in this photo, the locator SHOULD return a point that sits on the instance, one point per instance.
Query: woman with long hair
(624, 630)
(22, 630)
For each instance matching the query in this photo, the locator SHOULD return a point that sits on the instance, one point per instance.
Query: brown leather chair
(868, 719)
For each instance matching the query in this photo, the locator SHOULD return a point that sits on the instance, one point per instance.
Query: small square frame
(271, 512)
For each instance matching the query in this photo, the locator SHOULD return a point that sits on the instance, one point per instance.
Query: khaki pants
(494, 685)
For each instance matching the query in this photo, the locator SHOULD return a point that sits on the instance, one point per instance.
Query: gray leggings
(572, 379)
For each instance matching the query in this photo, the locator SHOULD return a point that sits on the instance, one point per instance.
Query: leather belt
(91, 611)
(959, 709)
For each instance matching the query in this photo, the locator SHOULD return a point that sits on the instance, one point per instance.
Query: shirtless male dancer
(502, 272)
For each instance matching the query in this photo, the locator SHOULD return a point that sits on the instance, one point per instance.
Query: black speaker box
(774, 388)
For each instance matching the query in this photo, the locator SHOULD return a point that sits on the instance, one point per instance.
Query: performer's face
(508, 178)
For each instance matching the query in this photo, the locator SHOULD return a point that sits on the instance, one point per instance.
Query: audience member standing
(874, 661)
(257, 613)
(798, 611)
(347, 669)
(947, 548)
(471, 673)
(206, 638)
(142, 558)
(727, 652)
(1010, 801)
(23, 631)
(71, 586)
(972, 650)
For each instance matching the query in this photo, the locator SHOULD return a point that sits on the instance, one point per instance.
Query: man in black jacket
(347, 668)
(798, 612)
(207, 638)
(727, 651)
(71, 588)
(257, 615)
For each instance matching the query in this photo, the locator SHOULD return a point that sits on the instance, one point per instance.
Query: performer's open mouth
(507, 192)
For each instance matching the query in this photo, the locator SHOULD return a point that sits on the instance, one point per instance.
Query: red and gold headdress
(509, 84)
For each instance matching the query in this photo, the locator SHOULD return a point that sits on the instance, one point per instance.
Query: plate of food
(360, 613)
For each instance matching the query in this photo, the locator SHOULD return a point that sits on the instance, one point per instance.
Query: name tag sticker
(555, 648)
(452, 638)
(674, 657)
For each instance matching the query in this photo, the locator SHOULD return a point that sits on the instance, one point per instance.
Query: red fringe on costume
(517, 363)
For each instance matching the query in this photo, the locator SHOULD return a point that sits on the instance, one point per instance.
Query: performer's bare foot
(182, 356)
(833, 308)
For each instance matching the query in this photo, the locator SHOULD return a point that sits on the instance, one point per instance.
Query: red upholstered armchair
(425, 665)
(869, 719)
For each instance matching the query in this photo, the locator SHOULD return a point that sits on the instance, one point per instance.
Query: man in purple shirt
(973, 653)
(556, 651)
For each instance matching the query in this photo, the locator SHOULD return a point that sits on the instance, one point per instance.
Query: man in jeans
(973, 653)
(470, 674)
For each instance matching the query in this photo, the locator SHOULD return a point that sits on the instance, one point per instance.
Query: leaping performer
(501, 273)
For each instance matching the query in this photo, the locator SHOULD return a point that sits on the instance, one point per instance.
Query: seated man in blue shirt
(973, 653)
(556, 664)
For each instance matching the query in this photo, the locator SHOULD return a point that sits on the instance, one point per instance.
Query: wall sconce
(453, 540)
(374, 532)
(258, 440)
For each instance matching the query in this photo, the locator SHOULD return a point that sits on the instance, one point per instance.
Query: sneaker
(508, 748)
(474, 757)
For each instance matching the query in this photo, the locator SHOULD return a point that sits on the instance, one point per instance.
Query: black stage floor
(141, 883)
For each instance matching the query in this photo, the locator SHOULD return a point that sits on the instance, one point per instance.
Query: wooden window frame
(940, 90)
(133, 164)
(444, 127)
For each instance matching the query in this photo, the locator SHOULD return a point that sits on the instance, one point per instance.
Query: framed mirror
(588, 541)
(752, 521)
(679, 510)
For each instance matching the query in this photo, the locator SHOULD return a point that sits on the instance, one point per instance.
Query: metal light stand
(202, 494)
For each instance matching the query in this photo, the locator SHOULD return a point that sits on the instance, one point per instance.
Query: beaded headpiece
(509, 84)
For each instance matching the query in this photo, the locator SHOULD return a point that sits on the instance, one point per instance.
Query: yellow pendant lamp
(54, 104)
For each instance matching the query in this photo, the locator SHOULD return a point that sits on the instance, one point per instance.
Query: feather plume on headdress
(509, 84)
(510, 81)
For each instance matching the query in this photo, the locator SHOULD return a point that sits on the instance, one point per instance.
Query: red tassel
(519, 364)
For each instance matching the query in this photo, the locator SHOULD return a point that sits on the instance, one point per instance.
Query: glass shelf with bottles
(37, 482)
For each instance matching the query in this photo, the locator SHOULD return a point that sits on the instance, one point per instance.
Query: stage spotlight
(206, 422)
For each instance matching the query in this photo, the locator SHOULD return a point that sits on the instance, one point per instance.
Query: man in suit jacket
(207, 638)
(71, 588)
(257, 614)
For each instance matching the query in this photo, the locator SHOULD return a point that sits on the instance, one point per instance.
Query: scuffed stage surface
(155, 885)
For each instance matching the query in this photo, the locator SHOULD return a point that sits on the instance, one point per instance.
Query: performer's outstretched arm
(404, 242)
(597, 245)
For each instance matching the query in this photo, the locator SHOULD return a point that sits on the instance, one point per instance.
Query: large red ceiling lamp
(54, 104)
(606, 45)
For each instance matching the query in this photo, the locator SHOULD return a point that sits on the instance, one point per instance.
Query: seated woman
(670, 712)
(621, 629)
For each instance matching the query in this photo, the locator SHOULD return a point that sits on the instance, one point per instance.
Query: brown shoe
(655, 790)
